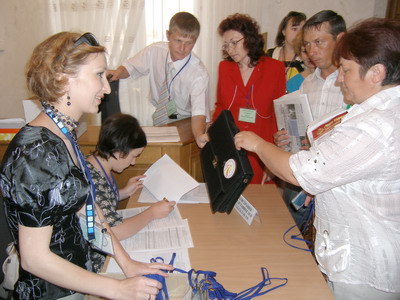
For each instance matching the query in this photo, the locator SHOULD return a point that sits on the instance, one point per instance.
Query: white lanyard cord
(233, 98)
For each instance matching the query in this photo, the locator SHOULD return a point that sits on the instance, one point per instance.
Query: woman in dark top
(44, 181)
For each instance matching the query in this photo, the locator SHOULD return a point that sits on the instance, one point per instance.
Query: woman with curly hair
(248, 81)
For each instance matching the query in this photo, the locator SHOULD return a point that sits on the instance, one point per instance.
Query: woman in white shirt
(354, 170)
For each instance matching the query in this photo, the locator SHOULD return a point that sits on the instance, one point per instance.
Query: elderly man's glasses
(87, 38)
(231, 44)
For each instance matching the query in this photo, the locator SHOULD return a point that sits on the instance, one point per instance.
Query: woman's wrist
(256, 146)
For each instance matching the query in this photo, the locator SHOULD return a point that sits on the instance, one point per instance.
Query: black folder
(227, 171)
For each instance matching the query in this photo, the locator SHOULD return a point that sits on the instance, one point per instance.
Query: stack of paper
(161, 134)
(160, 238)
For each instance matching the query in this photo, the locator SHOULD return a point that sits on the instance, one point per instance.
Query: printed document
(160, 238)
(167, 233)
(293, 113)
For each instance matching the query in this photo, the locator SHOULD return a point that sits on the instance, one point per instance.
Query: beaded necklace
(67, 121)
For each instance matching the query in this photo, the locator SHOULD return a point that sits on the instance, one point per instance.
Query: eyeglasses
(231, 44)
(87, 38)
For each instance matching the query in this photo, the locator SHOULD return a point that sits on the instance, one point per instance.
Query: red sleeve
(281, 88)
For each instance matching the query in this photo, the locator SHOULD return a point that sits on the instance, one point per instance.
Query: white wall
(23, 25)
(351, 10)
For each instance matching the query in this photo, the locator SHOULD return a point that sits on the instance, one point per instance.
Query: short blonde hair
(184, 23)
(55, 56)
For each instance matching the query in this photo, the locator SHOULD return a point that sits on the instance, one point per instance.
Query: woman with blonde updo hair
(45, 182)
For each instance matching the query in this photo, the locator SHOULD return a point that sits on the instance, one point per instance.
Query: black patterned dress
(42, 187)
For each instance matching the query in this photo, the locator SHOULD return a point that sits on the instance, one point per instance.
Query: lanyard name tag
(171, 108)
(102, 242)
(247, 115)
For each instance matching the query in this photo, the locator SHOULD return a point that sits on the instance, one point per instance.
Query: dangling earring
(68, 102)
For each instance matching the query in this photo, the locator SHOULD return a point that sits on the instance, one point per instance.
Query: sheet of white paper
(182, 260)
(146, 197)
(165, 178)
(197, 195)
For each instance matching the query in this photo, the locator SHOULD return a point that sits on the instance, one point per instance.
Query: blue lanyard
(163, 294)
(166, 72)
(217, 291)
(92, 195)
(111, 182)
(214, 289)
(296, 237)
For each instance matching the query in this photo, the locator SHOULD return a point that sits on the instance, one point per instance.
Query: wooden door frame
(393, 9)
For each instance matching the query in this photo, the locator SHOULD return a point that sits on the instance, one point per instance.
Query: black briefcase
(227, 171)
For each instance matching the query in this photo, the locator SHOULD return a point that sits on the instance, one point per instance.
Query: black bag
(227, 171)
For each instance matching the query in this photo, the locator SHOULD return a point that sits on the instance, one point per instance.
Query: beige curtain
(119, 25)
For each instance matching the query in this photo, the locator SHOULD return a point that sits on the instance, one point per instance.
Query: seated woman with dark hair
(121, 141)
(248, 81)
(354, 169)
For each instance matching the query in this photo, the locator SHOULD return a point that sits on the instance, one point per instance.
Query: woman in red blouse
(248, 81)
